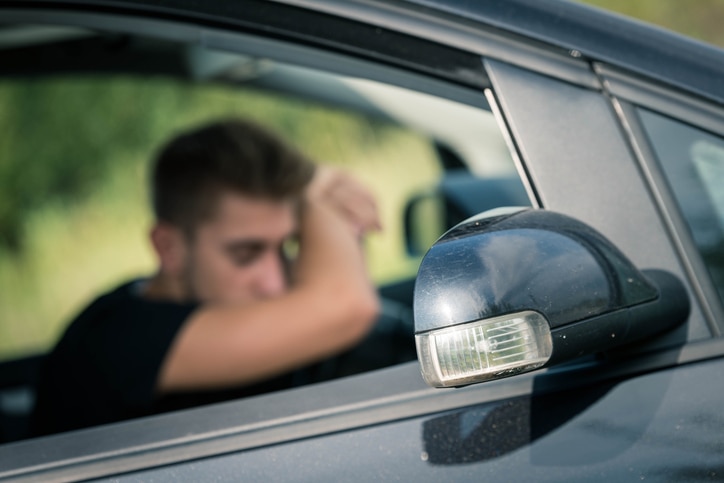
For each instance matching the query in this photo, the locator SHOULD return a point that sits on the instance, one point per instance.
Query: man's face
(236, 256)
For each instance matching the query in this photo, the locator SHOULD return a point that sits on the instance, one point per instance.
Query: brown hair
(193, 169)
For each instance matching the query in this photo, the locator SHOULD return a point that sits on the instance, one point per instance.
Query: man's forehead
(253, 217)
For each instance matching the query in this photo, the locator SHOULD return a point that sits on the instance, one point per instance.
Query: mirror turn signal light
(484, 349)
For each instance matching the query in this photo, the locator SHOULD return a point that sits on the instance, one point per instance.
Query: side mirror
(514, 289)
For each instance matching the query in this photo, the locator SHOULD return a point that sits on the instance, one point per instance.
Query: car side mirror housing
(515, 289)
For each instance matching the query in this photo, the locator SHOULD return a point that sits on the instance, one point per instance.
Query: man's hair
(195, 168)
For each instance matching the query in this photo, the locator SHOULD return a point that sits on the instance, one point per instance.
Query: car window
(693, 161)
(74, 213)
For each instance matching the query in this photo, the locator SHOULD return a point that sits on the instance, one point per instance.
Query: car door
(580, 148)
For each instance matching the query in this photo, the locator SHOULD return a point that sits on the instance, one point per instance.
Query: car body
(614, 123)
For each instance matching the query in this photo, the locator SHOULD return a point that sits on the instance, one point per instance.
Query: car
(572, 201)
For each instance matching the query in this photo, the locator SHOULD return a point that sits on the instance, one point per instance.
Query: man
(226, 314)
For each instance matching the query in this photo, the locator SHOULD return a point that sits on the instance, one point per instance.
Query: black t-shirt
(104, 368)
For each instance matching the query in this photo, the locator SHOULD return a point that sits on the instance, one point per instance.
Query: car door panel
(665, 425)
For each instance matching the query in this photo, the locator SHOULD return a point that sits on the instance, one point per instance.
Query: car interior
(86, 108)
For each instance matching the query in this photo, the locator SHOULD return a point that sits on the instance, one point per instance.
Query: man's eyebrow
(258, 244)
(251, 244)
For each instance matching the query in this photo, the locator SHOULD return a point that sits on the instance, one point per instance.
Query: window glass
(693, 161)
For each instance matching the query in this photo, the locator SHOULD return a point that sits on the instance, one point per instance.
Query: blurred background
(700, 19)
(75, 150)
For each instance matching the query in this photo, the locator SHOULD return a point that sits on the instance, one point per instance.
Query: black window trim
(408, 25)
(277, 49)
(467, 35)
(687, 107)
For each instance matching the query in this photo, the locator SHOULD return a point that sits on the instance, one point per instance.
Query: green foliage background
(700, 19)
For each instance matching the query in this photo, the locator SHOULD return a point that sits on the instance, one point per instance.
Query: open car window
(84, 111)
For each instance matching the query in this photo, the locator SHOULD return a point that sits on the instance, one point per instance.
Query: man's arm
(330, 306)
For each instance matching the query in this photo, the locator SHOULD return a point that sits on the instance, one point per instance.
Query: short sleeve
(129, 343)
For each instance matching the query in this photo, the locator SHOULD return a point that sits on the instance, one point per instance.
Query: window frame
(371, 398)
(628, 93)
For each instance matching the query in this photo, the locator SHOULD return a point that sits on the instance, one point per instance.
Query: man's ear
(171, 247)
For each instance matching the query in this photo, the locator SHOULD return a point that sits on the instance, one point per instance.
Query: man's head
(225, 199)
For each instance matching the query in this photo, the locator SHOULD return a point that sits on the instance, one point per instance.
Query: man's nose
(272, 279)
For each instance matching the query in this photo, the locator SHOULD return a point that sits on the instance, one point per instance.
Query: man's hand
(347, 197)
